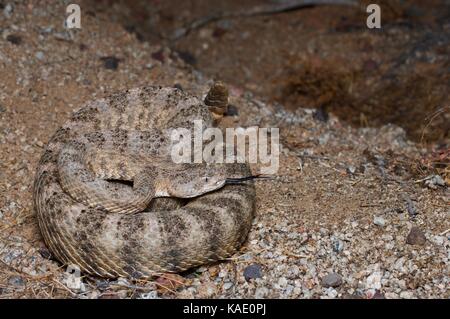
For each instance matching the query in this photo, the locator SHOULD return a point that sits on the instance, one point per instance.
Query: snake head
(192, 180)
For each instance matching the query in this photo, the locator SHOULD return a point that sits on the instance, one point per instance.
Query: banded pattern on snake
(109, 200)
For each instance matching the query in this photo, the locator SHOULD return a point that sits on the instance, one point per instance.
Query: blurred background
(317, 56)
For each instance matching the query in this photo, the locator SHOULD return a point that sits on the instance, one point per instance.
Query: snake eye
(206, 179)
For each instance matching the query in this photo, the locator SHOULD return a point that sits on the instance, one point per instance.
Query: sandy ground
(348, 214)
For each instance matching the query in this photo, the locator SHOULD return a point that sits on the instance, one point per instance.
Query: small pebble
(63, 36)
(159, 56)
(434, 181)
(8, 10)
(378, 295)
(261, 292)
(252, 272)
(17, 282)
(332, 280)
(338, 246)
(48, 29)
(351, 169)
(187, 57)
(379, 221)
(374, 281)
(232, 110)
(150, 295)
(110, 62)
(227, 285)
(352, 296)
(222, 273)
(416, 237)
(122, 294)
(40, 55)
(406, 295)
(438, 240)
(14, 39)
(207, 289)
(321, 114)
(332, 293)
(282, 282)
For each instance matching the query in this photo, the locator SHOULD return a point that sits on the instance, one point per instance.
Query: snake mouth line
(242, 180)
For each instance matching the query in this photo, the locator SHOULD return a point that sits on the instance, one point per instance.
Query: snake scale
(109, 200)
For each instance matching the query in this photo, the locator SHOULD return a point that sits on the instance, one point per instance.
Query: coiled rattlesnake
(110, 228)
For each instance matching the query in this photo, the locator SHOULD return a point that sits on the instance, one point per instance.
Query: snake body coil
(95, 228)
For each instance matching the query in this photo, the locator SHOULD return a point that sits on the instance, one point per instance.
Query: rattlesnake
(110, 228)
